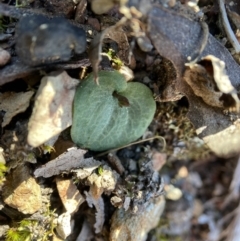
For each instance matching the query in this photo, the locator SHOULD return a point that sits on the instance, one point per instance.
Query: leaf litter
(207, 75)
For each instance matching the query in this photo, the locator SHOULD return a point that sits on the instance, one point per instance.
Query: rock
(21, 191)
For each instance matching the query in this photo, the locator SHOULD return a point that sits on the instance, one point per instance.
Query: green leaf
(111, 114)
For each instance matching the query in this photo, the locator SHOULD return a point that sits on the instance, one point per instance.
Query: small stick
(134, 143)
(230, 34)
(116, 163)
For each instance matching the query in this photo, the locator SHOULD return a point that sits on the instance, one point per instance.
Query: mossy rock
(111, 114)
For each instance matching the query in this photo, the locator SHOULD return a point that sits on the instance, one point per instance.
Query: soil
(171, 184)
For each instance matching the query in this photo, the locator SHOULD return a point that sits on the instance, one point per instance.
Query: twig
(116, 163)
(134, 143)
(231, 36)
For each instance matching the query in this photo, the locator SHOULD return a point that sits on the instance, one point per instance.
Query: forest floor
(180, 180)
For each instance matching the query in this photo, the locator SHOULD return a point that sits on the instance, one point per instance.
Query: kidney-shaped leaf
(111, 114)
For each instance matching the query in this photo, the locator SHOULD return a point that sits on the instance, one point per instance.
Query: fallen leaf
(118, 35)
(208, 79)
(21, 191)
(13, 104)
(16, 69)
(69, 194)
(176, 37)
(52, 111)
(67, 161)
(89, 166)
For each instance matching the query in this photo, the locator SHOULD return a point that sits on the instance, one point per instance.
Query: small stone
(64, 228)
(69, 194)
(21, 191)
(4, 57)
(94, 23)
(128, 227)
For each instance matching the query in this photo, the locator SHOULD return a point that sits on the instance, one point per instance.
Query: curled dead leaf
(176, 37)
(67, 161)
(116, 34)
(209, 80)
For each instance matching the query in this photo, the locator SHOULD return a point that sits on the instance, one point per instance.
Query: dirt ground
(157, 158)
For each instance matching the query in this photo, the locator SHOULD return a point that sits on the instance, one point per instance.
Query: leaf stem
(134, 143)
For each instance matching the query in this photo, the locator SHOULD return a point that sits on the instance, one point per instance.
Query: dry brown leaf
(87, 168)
(21, 191)
(13, 104)
(69, 194)
(72, 159)
(116, 34)
(17, 69)
(52, 111)
(209, 80)
(176, 37)
(119, 36)
(67, 161)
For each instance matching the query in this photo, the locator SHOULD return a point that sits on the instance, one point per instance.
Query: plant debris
(166, 72)
(204, 117)
(61, 163)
